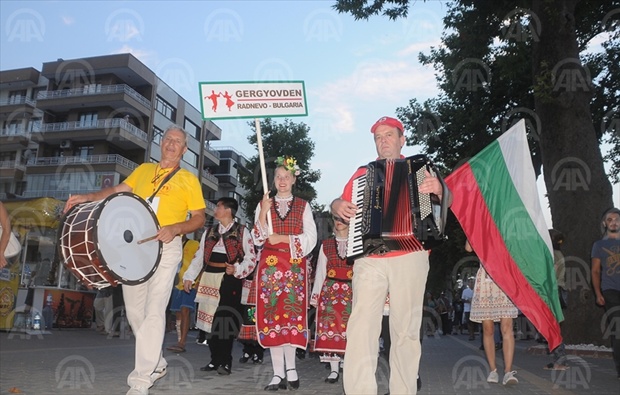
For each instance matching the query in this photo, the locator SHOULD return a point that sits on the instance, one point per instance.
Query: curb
(542, 350)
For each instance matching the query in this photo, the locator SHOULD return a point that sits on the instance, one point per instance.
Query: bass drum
(103, 243)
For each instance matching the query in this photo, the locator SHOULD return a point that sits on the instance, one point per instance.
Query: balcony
(212, 156)
(99, 163)
(13, 138)
(18, 103)
(210, 209)
(227, 181)
(115, 96)
(116, 130)
(210, 181)
(12, 170)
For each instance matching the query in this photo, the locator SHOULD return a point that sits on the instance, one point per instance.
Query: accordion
(391, 213)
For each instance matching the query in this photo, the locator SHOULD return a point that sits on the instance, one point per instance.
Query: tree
(504, 60)
(286, 138)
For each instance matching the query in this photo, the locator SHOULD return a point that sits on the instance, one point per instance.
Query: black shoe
(256, 360)
(223, 369)
(419, 383)
(208, 367)
(301, 354)
(274, 387)
(293, 385)
(244, 358)
(498, 346)
(332, 380)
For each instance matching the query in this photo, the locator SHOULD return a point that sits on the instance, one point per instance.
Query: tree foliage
(286, 138)
(500, 61)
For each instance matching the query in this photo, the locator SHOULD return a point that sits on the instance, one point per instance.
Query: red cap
(393, 122)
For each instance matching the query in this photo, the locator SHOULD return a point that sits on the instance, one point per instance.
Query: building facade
(77, 126)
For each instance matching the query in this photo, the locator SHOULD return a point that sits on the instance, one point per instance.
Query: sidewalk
(83, 362)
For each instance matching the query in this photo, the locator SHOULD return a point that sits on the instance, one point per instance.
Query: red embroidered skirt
(332, 316)
(281, 298)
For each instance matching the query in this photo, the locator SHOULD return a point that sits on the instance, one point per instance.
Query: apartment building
(232, 163)
(82, 124)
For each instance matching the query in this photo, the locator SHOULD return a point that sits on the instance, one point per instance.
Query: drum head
(124, 220)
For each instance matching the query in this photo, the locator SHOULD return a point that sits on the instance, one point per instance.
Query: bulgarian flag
(496, 201)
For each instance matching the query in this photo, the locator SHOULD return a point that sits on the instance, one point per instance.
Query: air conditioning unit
(65, 144)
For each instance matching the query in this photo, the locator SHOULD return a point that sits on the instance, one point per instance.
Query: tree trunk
(578, 188)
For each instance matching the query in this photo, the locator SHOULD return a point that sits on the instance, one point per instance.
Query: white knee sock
(277, 361)
(333, 365)
(289, 356)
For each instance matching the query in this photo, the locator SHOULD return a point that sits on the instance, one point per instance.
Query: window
(157, 135)
(88, 119)
(34, 125)
(165, 108)
(11, 128)
(192, 129)
(191, 158)
(16, 97)
(84, 151)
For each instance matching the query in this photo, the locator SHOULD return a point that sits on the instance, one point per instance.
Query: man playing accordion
(401, 273)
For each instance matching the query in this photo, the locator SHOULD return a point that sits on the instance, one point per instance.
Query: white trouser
(404, 278)
(146, 311)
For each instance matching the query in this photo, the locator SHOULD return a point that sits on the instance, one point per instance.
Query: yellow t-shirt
(190, 248)
(182, 193)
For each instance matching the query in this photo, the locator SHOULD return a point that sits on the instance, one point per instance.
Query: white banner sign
(226, 100)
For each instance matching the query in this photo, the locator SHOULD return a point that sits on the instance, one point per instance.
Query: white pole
(263, 171)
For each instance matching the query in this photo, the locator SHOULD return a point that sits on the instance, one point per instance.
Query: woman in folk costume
(281, 308)
(331, 296)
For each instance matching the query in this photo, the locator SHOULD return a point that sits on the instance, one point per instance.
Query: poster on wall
(71, 309)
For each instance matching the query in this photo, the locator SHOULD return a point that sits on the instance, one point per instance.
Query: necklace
(158, 174)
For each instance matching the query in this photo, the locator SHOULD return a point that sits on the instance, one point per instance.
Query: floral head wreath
(289, 163)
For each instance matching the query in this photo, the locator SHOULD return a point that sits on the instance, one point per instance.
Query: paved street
(84, 362)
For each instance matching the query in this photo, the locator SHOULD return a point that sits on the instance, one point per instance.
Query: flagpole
(263, 171)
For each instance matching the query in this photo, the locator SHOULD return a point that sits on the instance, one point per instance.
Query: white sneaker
(493, 377)
(509, 378)
(138, 390)
(158, 374)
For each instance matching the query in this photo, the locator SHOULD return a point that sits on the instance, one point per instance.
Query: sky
(354, 72)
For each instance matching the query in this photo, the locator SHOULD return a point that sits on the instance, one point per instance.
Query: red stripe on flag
(485, 238)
